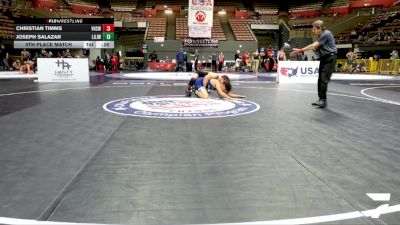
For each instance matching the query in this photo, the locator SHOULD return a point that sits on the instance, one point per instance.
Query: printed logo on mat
(178, 107)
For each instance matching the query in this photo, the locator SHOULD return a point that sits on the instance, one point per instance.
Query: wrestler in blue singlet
(200, 74)
(198, 84)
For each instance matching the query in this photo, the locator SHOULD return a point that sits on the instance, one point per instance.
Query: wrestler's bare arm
(233, 95)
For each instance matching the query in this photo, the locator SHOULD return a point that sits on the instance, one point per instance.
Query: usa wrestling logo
(290, 72)
(178, 107)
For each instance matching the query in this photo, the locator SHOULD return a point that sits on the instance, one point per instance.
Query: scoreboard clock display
(64, 33)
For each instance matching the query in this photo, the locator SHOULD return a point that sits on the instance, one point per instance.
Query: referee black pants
(326, 67)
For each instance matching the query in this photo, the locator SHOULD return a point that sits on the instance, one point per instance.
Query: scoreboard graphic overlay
(64, 33)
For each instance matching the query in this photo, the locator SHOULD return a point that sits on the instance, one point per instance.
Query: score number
(108, 36)
(108, 27)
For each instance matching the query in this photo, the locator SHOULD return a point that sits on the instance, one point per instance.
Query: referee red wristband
(300, 51)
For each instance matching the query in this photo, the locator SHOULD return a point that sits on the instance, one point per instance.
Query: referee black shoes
(320, 103)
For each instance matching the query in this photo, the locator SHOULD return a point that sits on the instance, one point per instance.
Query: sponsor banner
(179, 107)
(117, 23)
(201, 13)
(199, 32)
(159, 39)
(63, 70)
(200, 42)
(142, 24)
(298, 71)
(264, 27)
(179, 76)
(344, 46)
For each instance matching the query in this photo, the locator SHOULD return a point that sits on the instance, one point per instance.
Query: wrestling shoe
(188, 93)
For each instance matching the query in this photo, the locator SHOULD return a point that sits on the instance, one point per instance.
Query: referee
(326, 49)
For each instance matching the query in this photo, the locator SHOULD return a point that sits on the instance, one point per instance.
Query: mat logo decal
(179, 107)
